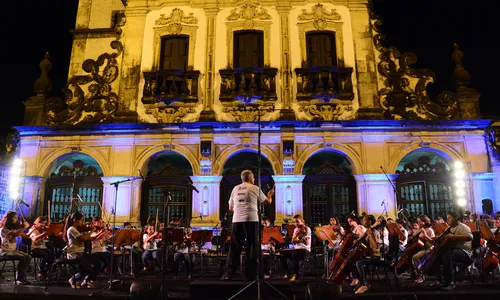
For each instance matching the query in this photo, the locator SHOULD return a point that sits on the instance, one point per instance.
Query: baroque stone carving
(423, 165)
(327, 112)
(493, 138)
(320, 16)
(99, 103)
(249, 11)
(404, 95)
(78, 169)
(248, 114)
(175, 20)
(171, 114)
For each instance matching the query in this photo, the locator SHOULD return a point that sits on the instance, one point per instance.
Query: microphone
(383, 201)
(24, 203)
(193, 187)
(225, 217)
(142, 176)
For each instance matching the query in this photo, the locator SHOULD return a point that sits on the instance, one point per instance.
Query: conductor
(243, 202)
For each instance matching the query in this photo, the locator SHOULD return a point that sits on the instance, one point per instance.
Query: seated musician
(38, 247)
(181, 253)
(402, 243)
(76, 250)
(458, 245)
(267, 247)
(301, 238)
(425, 234)
(10, 228)
(150, 246)
(372, 239)
(339, 233)
(356, 229)
(100, 257)
(440, 220)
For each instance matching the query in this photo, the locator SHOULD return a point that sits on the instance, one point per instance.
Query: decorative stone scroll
(328, 112)
(249, 11)
(320, 16)
(171, 114)
(248, 114)
(99, 103)
(404, 95)
(78, 169)
(175, 20)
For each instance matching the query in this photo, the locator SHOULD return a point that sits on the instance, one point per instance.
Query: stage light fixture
(15, 178)
(460, 192)
(462, 202)
(459, 174)
(458, 165)
(459, 184)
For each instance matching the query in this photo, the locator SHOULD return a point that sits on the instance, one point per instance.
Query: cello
(414, 245)
(344, 263)
(491, 260)
(439, 244)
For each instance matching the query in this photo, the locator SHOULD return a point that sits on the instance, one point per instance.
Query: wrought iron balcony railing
(170, 86)
(324, 83)
(248, 85)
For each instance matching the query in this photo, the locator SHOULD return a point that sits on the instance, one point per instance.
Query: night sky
(426, 27)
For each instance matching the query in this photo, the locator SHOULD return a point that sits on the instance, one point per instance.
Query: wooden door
(248, 49)
(174, 53)
(321, 49)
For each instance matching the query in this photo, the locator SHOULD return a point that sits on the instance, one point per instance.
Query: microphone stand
(396, 193)
(260, 277)
(164, 248)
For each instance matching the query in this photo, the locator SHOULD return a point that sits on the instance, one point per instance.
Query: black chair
(61, 262)
(5, 259)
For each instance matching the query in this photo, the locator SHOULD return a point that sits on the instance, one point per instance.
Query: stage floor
(211, 288)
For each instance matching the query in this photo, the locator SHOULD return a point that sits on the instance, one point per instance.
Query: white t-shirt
(153, 243)
(462, 229)
(41, 242)
(244, 202)
(75, 247)
(405, 233)
(7, 247)
(307, 236)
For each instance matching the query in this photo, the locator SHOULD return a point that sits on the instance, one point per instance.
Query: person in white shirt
(38, 247)
(150, 245)
(76, 251)
(243, 202)
(301, 238)
(459, 245)
(426, 235)
(100, 256)
(402, 243)
(8, 247)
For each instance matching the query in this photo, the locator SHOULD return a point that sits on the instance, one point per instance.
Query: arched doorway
(232, 177)
(329, 188)
(424, 184)
(74, 183)
(167, 172)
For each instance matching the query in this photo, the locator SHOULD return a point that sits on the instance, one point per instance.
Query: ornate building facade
(177, 91)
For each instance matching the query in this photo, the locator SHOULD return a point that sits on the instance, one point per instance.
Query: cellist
(425, 233)
(371, 238)
(458, 248)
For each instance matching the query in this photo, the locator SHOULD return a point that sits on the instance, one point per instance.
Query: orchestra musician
(181, 253)
(76, 251)
(10, 228)
(339, 232)
(459, 248)
(38, 236)
(356, 229)
(440, 220)
(301, 238)
(243, 202)
(426, 235)
(266, 246)
(100, 257)
(402, 243)
(373, 240)
(150, 246)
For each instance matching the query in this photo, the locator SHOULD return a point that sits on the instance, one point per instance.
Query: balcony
(170, 87)
(324, 84)
(248, 86)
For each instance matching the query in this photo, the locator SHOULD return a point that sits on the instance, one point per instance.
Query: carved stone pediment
(320, 16)
(175, 20)
(170, 114)
(248, 113)
(249, 11)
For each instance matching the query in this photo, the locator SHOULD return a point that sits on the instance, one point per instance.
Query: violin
(300, 238)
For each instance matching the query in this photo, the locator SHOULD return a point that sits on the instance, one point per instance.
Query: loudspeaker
(323, 290)
(142, 290)
(487, 206)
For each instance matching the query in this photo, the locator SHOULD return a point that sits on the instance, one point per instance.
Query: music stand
(439, 228)
(325, 233)
(200, 237)
(272, 234)
(393, 229)
(54, 229)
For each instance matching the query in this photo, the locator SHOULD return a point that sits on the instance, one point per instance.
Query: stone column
(375, 192)
(366, 70)
(285, 73)
(32, 195)
(206, 202)
(128, 206)
(208, 114)
(133, 37)
(483, 187)
(288, 196)
(496, 186)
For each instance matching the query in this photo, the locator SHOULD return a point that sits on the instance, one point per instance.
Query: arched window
(424, 184)
(329, 188)
(167, 174)
(232, 177)
(74, 184)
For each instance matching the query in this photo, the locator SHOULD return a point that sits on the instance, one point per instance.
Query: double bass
(347, 256)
